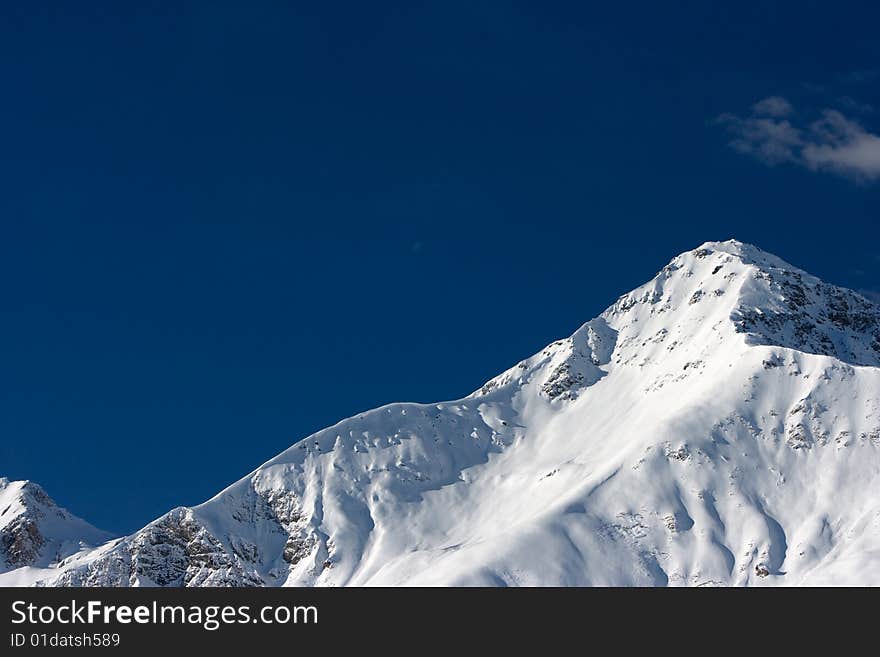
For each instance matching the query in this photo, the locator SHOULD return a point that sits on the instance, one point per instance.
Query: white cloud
(833, 143)
(842, 146)
(772, 106)
(771, 141)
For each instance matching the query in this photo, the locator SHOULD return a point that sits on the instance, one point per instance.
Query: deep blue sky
(228, 225)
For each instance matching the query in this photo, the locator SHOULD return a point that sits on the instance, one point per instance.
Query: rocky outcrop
(21, 542)
(175, 550)
(806, 314)
(577, 364)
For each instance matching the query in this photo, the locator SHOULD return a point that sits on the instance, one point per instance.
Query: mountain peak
(746, 253)
(759, 295)
(717, 425)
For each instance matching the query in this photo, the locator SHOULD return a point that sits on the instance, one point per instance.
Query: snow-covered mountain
(36, 535)
(719, 425)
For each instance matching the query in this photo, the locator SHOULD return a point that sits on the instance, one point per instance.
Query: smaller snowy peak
(20, 497)
(35, 531)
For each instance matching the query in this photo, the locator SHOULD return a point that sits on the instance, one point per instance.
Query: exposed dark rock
(21, 542)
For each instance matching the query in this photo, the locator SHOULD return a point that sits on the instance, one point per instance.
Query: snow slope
(719, 425)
